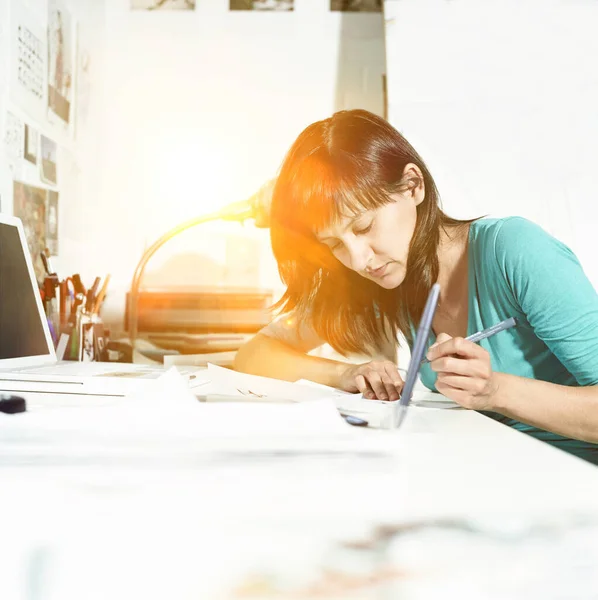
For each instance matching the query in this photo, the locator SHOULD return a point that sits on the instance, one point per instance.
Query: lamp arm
(147, 255)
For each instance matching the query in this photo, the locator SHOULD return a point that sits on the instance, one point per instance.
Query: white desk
(185, 530)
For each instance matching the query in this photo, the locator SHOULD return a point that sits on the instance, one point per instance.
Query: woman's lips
(379, 272)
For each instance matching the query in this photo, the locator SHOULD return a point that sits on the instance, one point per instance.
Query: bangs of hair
(323, 191)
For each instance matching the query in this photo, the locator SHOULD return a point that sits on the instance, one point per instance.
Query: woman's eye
(364, 229)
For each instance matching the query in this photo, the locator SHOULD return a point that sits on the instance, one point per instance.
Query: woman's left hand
(464, 372)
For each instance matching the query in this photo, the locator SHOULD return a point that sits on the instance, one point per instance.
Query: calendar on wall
(28, 61)
(30, 69)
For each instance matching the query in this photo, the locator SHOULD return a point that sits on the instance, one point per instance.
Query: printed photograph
(52, 222)
(261, 4)
(48, 169)
(29, 204)
(61, 46)
(356, 5)
(31, 144)
(163, 4)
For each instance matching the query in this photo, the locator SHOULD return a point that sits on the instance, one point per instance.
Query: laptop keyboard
(79, 369)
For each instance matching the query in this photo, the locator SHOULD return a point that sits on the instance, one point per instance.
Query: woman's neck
(453, 267)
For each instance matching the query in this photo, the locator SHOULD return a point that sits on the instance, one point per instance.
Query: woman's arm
(280, 350)
(568, 411)
(269, 357)
(465, 376)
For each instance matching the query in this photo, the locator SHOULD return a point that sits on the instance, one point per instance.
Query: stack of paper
(169, 423)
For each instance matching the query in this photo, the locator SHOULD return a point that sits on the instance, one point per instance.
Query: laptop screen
(22, 329)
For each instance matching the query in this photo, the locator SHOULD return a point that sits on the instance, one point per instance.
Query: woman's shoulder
(505, 226)
(507, 234)
(516, 241)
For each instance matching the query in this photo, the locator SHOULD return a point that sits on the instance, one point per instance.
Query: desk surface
(446, 464)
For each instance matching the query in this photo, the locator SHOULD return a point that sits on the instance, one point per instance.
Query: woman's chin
(391, 280)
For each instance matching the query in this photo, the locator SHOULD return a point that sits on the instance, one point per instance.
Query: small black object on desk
(12, 404)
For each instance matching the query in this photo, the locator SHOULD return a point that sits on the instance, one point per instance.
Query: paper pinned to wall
(14, 137)
(62, 60)
(28, 61)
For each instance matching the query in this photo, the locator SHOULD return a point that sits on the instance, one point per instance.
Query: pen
(101, 295)
(486, 333)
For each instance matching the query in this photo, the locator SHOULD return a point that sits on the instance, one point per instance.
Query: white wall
(200, 108)
(500, 99)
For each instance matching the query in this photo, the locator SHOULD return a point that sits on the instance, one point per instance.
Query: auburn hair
(348, 163)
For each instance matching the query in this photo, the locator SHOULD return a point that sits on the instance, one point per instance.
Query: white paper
(226, 381)
(378, 413)
(14, 136)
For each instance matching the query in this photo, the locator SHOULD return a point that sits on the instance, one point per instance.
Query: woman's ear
(414, 181)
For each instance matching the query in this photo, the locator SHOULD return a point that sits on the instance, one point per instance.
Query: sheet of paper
(378, 413)
(421, 398)
(226, 381)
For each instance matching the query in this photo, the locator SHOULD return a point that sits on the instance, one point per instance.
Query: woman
(359, 239)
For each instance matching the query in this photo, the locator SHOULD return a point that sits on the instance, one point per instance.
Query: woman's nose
(360, 255)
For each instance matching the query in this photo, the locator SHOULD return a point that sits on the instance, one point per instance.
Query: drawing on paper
(61, 47)
(14, 136)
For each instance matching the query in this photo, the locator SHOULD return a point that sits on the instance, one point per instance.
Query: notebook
(28, 360)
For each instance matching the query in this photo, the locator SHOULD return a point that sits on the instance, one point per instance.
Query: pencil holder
(85, 340)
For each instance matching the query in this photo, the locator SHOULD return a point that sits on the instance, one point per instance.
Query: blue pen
(353, 420)
(486, 333)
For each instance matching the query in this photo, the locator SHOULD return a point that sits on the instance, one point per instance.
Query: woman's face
(375, 243)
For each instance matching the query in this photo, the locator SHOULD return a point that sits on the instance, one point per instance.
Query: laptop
(28, 360)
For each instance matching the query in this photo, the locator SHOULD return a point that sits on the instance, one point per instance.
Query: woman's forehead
(342, 222)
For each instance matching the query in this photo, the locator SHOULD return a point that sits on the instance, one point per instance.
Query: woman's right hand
(378, 379)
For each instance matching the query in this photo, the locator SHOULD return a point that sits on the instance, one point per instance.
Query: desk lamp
(256, 207)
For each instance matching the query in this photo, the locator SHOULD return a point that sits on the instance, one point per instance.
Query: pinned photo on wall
(52, 222)
(31, 144)
(281, 5)
(48, 168)
(356, 5)
(61, 61)
(29, 204)
(163, 4)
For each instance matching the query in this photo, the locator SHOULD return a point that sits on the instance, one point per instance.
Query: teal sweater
(516, 269)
